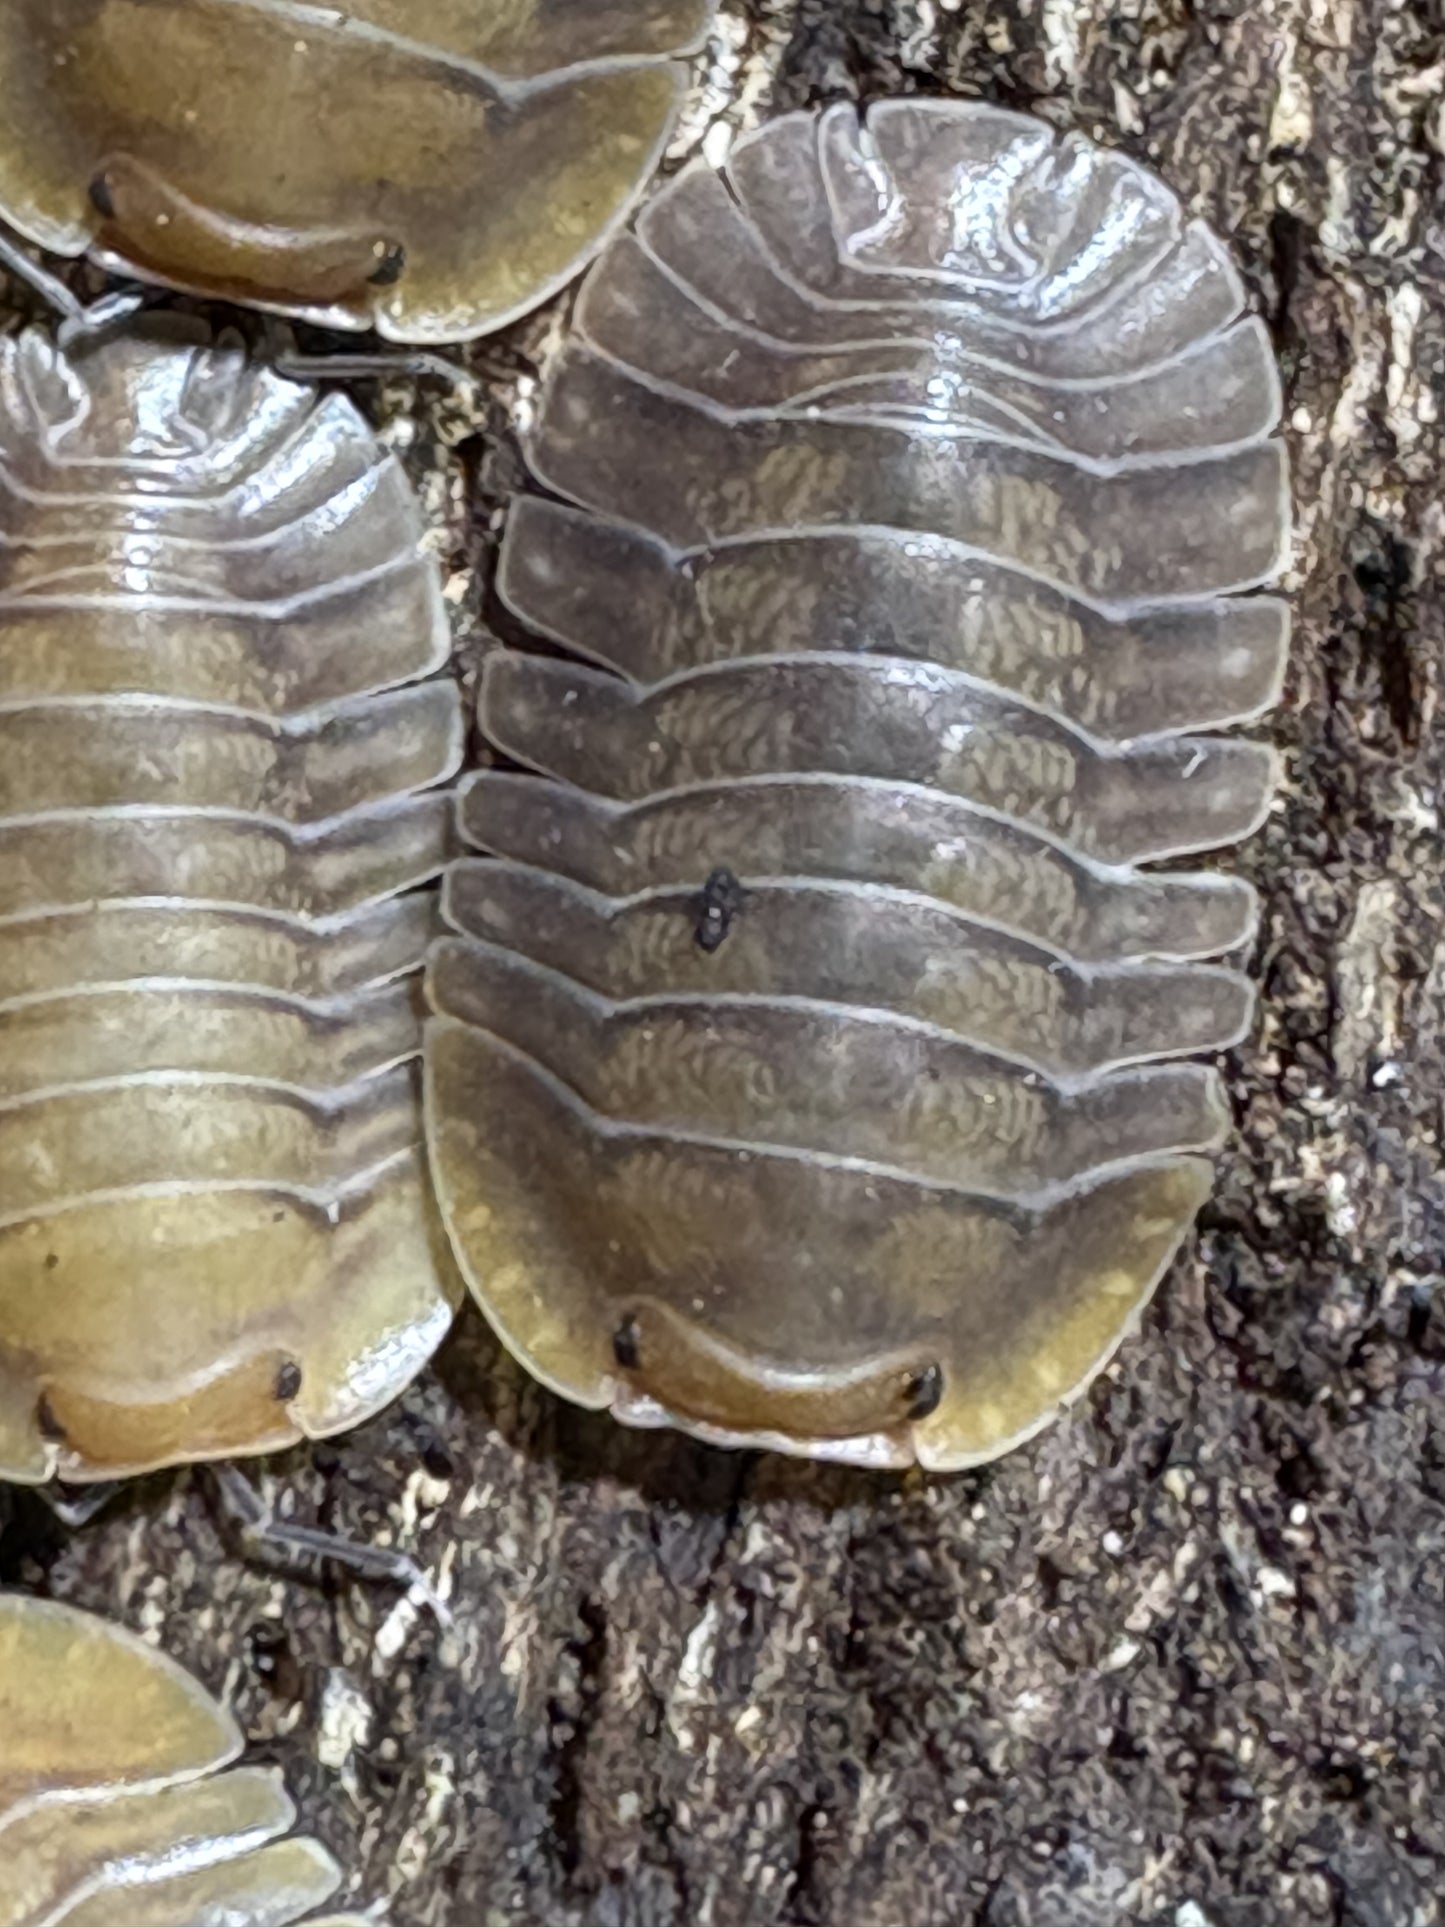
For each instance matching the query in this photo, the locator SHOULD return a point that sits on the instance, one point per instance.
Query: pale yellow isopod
(122, 1800)
(226, 739)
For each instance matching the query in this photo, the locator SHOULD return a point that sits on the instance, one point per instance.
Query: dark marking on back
(716, 906)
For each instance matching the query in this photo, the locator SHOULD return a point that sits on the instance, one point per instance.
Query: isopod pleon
(811, 1053)
(430, 168)
(121, 1803)
(224, 733)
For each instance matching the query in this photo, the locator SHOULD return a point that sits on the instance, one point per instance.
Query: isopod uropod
(222, 735)
(430, 168)
(120, 1801)
(809, 1059)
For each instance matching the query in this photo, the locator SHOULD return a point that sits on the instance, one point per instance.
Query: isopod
(121, 1803)
(225, 736)
(811, 1062)
(430, 168)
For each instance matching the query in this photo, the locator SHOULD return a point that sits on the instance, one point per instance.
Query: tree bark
(1180, 1661)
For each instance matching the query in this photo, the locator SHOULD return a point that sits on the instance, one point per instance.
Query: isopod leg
(296, 364)
(76, 1509)
(260, 1531)
(76, 318)
(51, 289)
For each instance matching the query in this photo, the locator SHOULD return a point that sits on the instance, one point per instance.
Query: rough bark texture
(1183, 1659)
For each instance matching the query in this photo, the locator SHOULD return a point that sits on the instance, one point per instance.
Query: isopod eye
(289, 1380)
(900, 492)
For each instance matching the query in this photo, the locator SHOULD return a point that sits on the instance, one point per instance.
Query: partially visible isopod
(806, 1060)
(432, 168)
(121, 1804)
(223, 735)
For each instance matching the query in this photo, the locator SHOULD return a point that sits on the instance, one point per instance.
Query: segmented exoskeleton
(222, 736)
(120, 1801)
(806, 1058)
